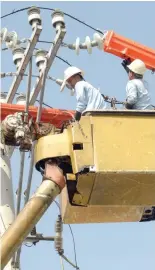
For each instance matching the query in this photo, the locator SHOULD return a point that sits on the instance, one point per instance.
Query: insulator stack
(58, 235)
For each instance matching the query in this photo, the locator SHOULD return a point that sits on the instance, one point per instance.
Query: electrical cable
(36, 100)
(45, 104)
(105, 99)
(74, 245)
(14, 11)
(65, 61)
(27, 245)
(63, 44)
(60, 58)
(51, 9)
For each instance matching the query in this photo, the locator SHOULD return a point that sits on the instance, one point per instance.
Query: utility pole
(7, 208)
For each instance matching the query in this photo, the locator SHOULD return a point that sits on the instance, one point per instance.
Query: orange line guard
(53, 116)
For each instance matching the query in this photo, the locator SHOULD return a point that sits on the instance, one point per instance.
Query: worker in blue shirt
(137, 95)
(88, 98)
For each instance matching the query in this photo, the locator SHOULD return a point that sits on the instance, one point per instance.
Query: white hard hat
(68, 73)
(137, 66)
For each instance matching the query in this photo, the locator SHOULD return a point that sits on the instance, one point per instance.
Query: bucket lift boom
(126, 48)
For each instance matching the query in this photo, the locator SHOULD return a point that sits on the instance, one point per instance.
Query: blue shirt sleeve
(81, 98)
(131, 91)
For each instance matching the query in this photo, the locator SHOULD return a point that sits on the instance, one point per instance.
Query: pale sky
(122, 246)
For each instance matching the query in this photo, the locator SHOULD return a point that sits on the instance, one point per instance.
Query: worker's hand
(105, 97)
(77, 116)
(126, 62)
(127, 105)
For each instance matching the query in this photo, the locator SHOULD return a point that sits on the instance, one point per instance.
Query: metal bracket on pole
(50, 58)
(39, 237)
(27, 55)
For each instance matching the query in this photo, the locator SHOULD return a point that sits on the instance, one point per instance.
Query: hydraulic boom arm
(126, 48)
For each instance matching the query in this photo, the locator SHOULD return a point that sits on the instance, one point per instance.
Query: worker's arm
(131, 92)
(81, 101)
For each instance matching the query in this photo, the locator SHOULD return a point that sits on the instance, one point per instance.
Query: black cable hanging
(51, 9)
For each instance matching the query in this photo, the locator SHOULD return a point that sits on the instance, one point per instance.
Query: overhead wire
(65, 61)
(59, 57)
(51, 9)
(27, 245)
(109, 100)
(74, 245)
(63, 44)
(36, 100)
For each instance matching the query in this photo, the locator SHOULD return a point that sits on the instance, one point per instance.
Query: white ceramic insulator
(13, 40)
(88, 44)
(99, 40)
(21, 99)
(18, 63)
(40, 56)
(77, 46)
(18, 55)
(57, 18)
(34, 16)
(3, 35)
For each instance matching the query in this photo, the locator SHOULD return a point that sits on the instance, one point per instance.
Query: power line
(65, 61)
(75, 256)
(63, 44)
(14, 11)
(45, 104)
(73, 245)
(51, 9)
(58, 57)
(36, 100)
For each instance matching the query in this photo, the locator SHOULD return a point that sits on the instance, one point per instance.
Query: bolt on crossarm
(52, 184)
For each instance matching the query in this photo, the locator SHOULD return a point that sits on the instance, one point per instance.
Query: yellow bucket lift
(109, 162)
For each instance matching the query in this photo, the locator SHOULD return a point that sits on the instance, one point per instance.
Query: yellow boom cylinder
(32, 212)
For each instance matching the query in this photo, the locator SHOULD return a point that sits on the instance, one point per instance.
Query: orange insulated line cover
(124, 48)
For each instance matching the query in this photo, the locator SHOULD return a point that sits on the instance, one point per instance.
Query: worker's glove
(105, 97)
(127, 105)
(77, 116)
(125, 63)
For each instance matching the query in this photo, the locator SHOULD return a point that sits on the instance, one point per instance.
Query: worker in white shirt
(137, 95)
(88, 98)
